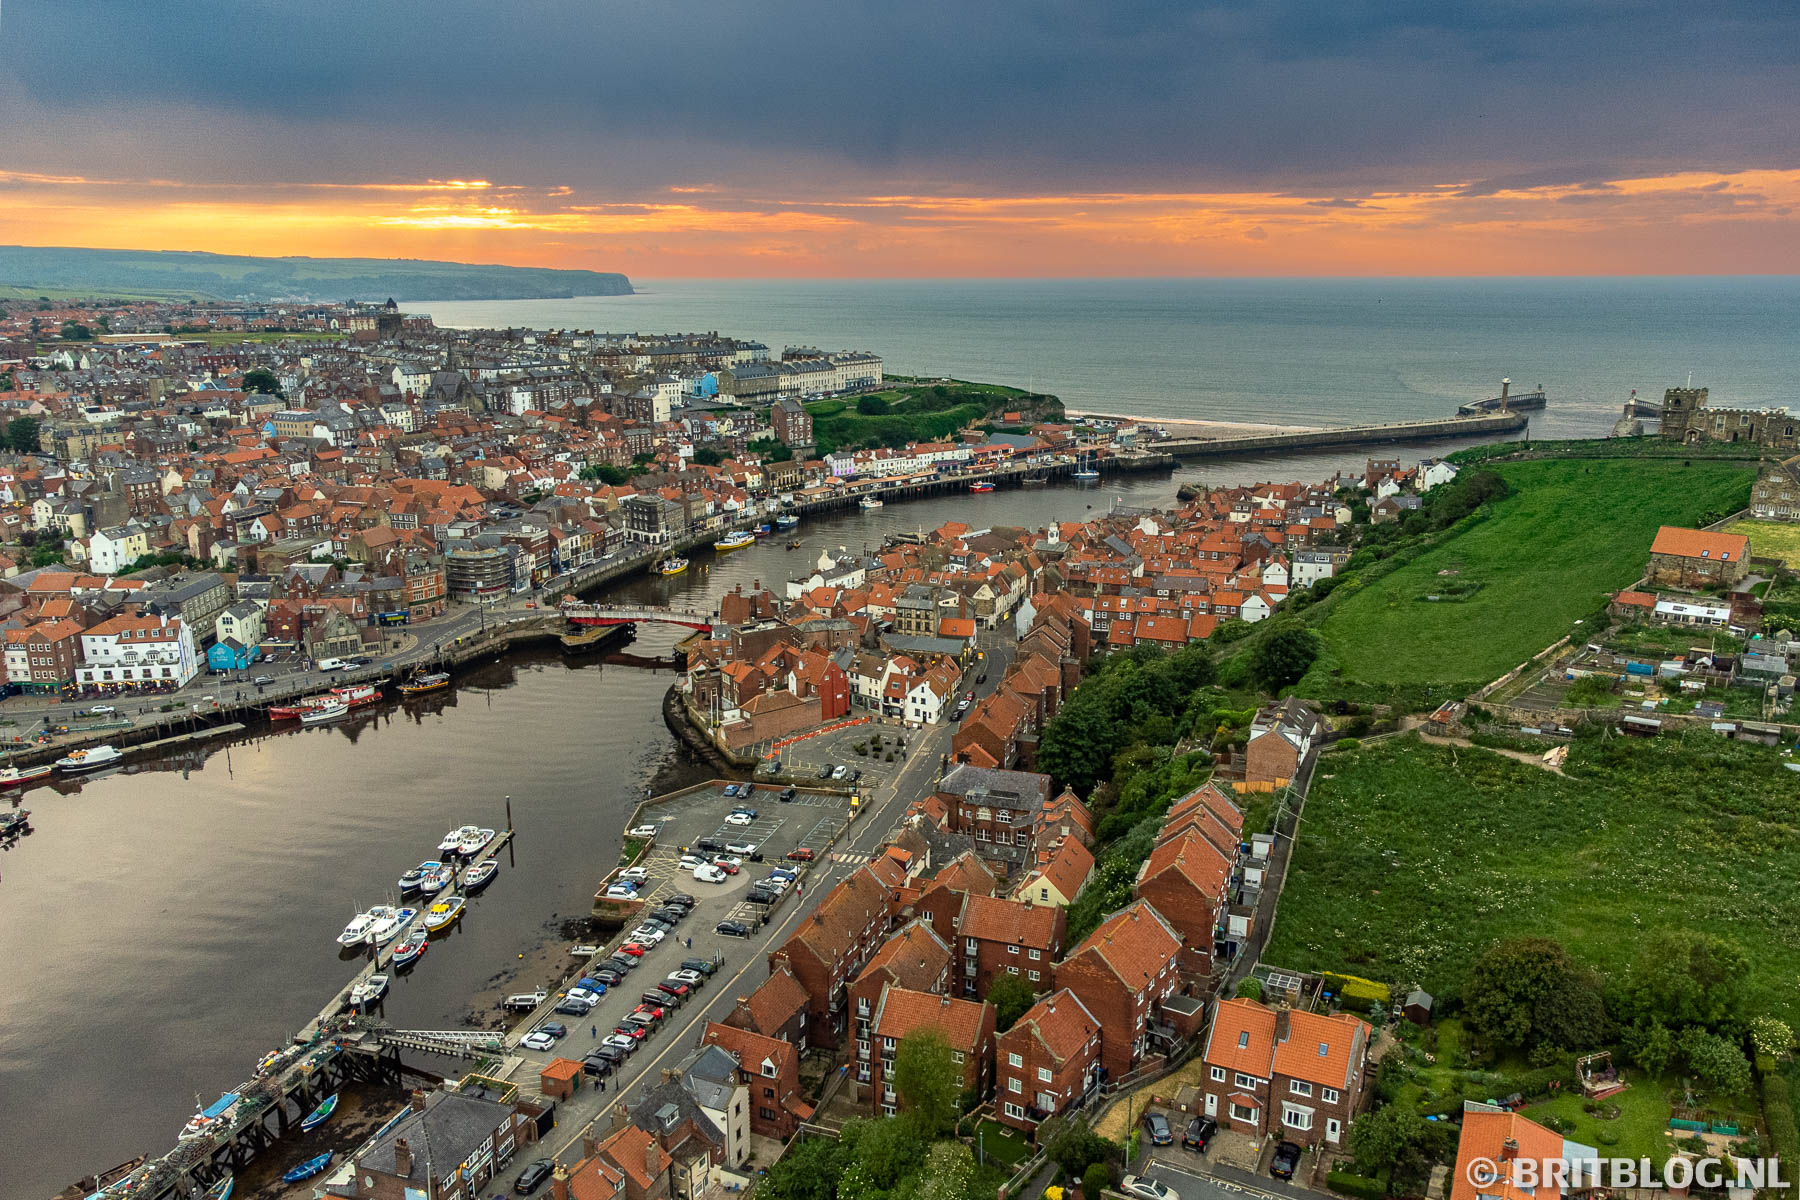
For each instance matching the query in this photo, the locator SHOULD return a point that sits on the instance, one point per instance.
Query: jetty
(1347, 435)
(1506, 401)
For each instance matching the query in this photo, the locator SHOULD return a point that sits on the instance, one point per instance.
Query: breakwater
(1348, 435)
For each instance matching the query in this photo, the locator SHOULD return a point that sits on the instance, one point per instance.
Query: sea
(1281, 352)
(169, 921)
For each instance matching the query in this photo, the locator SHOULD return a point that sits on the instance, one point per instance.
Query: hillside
(67, 270)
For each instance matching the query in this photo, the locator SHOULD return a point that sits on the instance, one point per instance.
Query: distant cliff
(239, 277)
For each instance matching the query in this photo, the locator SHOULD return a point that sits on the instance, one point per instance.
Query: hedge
(1526, 1083)
(1778, 1115)
(1354, 987)
(1356, 1185)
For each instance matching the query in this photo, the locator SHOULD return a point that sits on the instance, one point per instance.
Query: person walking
(594, 1030)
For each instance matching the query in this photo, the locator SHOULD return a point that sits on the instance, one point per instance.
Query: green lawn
(1772, 539)
(1002, 1143)
(1639, 1131)
(1413, 858)
(1547, 555)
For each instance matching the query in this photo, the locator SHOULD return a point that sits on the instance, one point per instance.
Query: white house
(243, 622)
(1256, 607)
(1432, 473)
(113, 549)
(1310, 566)
(925, 698)
(1275, 573)
(135, 650)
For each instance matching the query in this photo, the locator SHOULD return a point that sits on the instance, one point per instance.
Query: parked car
(621, 1041)
(800, 854)
(732, 929)
(642, 831)
(1286, 1161)
(632, 949)
(611, 1054)
(533, 1176)
(654, 1008)
(709, 846)
(634, 874)
(747, 811)
(609, 977)
(621, 891)
(593, 1064)
(1145, 1188)
(621, 963)
(1156, 1128)
(555, 1029)
(745, 848)
(738, 818)
(669, 916)
(1200, 1130)
(260, 680)
(537, 1039)
(727, 865)
(677, 988)
(568, 1006)
(855, 774)
(788, 795)
(689, 976)
(825, 771)
(689, 861)
(645, 935)
(705, 966)
(583, 994)
(681, 898)
(839, 771)
(731, 791)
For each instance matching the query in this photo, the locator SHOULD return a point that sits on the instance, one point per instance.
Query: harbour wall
(1349, 435)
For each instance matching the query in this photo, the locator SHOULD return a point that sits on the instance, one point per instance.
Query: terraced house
(1287, 1072)
(1048, 1062)
(1123, 972)
(830, 947)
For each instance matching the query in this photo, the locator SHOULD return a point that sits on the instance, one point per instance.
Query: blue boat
(307, 1169)
(221, 1190)
(319, 1115)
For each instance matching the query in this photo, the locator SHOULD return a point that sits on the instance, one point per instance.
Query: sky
(833, 138)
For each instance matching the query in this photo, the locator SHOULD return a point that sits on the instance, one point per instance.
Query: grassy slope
(1772, 539)
(1573, 531)
(20, 291)
(1413, 858)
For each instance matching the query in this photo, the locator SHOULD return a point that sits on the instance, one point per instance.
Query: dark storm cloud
(1039, 93)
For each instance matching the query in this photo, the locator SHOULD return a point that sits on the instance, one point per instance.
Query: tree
(1719, 1062)
(1685, 977)
(1396, 1139)
(73, 332)
(1076, 747)
(1528, 992)
(1095, 1180)
(706, 456)
(779, 452)
(949, 1173)
(1073, 1146)
(872, 406)
(928, 1082)
(262, 381)
(807, 1172)
(1285, 653)
(1011, 996)
(605, 473)
(1650, 1045)
(22, 435)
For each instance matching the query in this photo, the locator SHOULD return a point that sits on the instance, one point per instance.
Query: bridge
(581, 613)
(453, 1043)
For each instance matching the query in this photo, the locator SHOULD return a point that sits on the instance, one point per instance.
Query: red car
(633, 949)
(802, 854)
(651, 1011)
(729, 868)
(632, 1031)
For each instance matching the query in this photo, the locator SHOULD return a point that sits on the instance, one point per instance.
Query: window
(1299, 1088)
(1328, 1095)
(1012, 949)
(956, 1056)
(1012, 970)
(1243, 1080)
(1044, 1075)
(1014, 1111)
(1218, 1074)
(1043, 893)
(1240, 1113)
(1036, 955)
(1244, 1040)
(1014, 1060)
(1013, 1085)
(1034, 976)
(768, 1093)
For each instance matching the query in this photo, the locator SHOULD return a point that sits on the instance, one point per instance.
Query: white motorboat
(13, 776)
(331, 711)
(357, 931)
(369, 990)
(868, 503)
(437, 879)
(91, 759)
(389, 922)
(452, 843)
(469, 845)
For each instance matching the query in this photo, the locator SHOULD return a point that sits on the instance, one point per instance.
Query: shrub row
(1359, 1186)
(1778, 1115)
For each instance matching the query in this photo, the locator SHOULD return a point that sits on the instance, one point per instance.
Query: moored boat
(437, 879)
(13, 776)
(91, 759)
(479, 876)
(982, 485)
(786, 521)
(320, 1115)
(332, 710)
(357, 694)
(869, 503)
(443, 914)
(735, 540)
(298, 708)
(14, 821)
(414, 879)
(670, 566)
(763, 530)
(453, 839)
(389, 922)
(418, 684)
(309, 1168)
(220, 1190)
(1084, 470)
(472, 842)
(793, 545)
(411, 947)
(369, 990)
(357, 931)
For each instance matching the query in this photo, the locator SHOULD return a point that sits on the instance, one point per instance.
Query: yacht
(735, 540)
(91, 759)
(414, 879)
(443, 914)
(453, 840)
(1084, 470)
(437, 879)
(357, 931)
(331, 710)
(470, 844)
(389, 922)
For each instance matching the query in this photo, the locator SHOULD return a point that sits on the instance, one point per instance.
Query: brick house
(829, 947)
(1695, 558)
(447, 1145)
(43, 657)
(1284, 1072)
(967, 1025)
(770, 1068)
(1058, 876)
(915, 958)
(1188, 881)
(1283, 740)
(1122, 972)
(777, 1009)
(1493, 1139)
(1007, 937)
(792, 423)
(1047, 1062)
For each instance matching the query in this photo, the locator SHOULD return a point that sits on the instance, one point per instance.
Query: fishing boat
(220, 1190)
(414, 879)
(479, 876)
(868, 504)
(410, 949)
(198, 1126)
(472, 842)
(584, 950)
(670, 566)
(1034, 481)
(418, 684)
(298, 708)
(982, 485)
(331, 710)
(389, 922)
(369, 990)
(437, 879)
(357, 931)
(735, 540)
(1084, 470)
(309, 1168)
(786, 521)
(319, 1116)
(763, 530)
(14, 821)
(453, 839)
(443, 914)
(14, 776)
(91, 759)
(357, 694)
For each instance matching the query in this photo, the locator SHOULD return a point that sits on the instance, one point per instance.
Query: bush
(1348, 743)
(1355, 991)
(1250, 989)
(1355, 1185)
(1778, 1115)
(1096, 1179)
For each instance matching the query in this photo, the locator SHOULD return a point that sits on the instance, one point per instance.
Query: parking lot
(698, 821)
(838, 748)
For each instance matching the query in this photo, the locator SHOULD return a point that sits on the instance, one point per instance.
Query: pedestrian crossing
(840, 857)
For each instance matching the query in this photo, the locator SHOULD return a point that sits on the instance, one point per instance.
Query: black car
(668, 917)
(710, 846)
(679, 900)
(762, 895)
(732, 929)
(533, 1176)
(1200, 1131)
(825, 771)
(620, 962)
(788, 795)
(660, 998)
(856, 775)
(611, 1054)
(610, 977)
(1156, 1128)
(705, 966)
(1287, 1158)
(595, 1064)
(555, 1029)
(574, 1008)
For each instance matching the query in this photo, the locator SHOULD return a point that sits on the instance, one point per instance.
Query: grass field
(25, 291)
(1413, 858)
(917, 412)
(1548, 554)
(1772, 539)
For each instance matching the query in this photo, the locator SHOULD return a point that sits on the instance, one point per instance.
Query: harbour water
(1285, 352)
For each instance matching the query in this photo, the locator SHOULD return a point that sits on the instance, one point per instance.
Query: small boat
(411, 947)
(763, 530)
(417, 684)
(220, 1190)
(389, 922)
(868, 503)
(369, 991)
(584, 950)
(670, 566)
(358, 694)
(309, 1168)
(437, 879)
(14, 821)
(478, 877)
(91, 759)
(471, 843)
(300, 707)
(199, 1126)
(454, 838)
(982, 485)
(319, 1116)
(1034, 481)
(443, 914)
(1084, 470)
(793, 545)
(786, 521)
(14, 776)
(357, 931)
(330, 711)
(414, 879)
(736, 540)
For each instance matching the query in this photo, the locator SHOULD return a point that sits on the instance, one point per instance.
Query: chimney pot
(418, 1101)
(559, 1183)
(590, 1145)
(650, 1151)
(1509, 1149)
(402, 1159)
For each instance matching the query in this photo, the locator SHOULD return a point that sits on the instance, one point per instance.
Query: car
(855, 774)
(746, 848)
(102, 710)
(676, 988)
(690, 977)
(746, 811)
(669, 917)
(788, 795)
(839, 771)
(1145, 1188)
(634, 874)
(653, 1006)
(727, 866)
(260, 680)
(1286, 1161)
(537, 1039)
(800, 854)
(642, 831)
(738, 818)
(621, 963)
(707, 873)
(609, 977)
(643, 935)
(533, 1176)
(680, 898)
(620, 891)
(573, 1008)
(708, 845)
(825, 771)
(622, 1041)
(593, 1064)
(584, 994)
(759, 894)
(1199, 1133)
(704, 966)
(592, 984)
(633, 949)
(732, 929)
(555, 1029)
(786, 875)
(326, 665)
(611, 1054)
(731, 791)
(1156, 1128)
(690, 861)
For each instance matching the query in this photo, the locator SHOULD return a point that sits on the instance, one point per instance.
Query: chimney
(418, 1101)
(651, 1149)
(669, 1074)
(402, 1159)
(1509, 1149)
(818, 919)
(1282, 1022)
(945, 1002)
(590, 1145)
(620, 1117)
(1050, 1003)
(559, 1183)
(742, 1000)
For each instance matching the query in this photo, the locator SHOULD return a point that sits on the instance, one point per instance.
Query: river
(166, 924)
